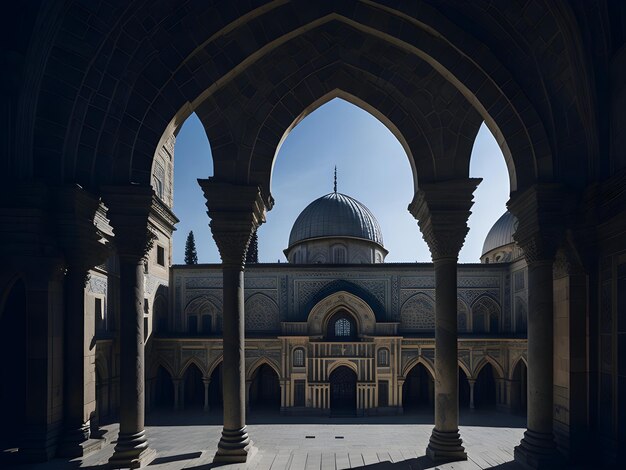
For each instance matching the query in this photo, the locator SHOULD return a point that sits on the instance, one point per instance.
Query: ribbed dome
(336, 215)
(501, 233)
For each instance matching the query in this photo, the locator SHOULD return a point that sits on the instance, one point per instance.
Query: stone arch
(250, 371)
(199, 307)
(188, 362)
(342, 300)
(261, 314)
(494, 364)
(515, 363)
(342, 363)
(418, 313)
(426, 32)
(214, 365)
(484, 308)
(465, 368)
(430, 367)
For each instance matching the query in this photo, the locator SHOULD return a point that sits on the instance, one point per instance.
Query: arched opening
(341, 327)
(485, 388)
(265, 389)
(343, 391)
(464, 389)
(519, 388)
(418, 390)
(13, 350)
(164, 389)
(215, 388)
(194, 388)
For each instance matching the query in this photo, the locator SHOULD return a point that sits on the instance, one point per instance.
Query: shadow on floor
(215, 417)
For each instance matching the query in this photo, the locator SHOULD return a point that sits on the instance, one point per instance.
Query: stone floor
(188, 440)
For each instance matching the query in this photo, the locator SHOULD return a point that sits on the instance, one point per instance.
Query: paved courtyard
(189, 439)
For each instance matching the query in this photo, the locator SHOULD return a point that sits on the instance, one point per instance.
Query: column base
(76, 443)
(131, 451)
(538, 451)
(235, 446)
(445, 447)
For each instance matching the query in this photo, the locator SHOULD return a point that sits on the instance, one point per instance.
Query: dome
(336, 215)
(501, 233)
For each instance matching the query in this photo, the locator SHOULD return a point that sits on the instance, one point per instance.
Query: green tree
(252, 256)
(191, 256)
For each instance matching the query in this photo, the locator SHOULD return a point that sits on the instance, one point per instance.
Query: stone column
(206, 383)
(83, 249)
(129, 209)
(442, 210)
(540, 211)
(471, 383)
(235, 211)
(176, 385)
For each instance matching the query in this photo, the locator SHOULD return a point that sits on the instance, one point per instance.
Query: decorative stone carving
(442, 210)
(261, 314)
(236, 211)
(462, 316)
(483, 310)
(418, 314)
(363, 313)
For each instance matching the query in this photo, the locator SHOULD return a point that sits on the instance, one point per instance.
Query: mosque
(97, 325)
(336, 330)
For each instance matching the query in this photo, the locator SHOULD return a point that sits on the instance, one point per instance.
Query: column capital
(542, 212)
(129, 208)
(236, 211)
(83, 244)
(442, 209)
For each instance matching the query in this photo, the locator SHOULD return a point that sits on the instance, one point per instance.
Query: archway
(343, 391)
(265, 389)
(519, 390)
(418, 390)
(164, 389)
(215, 388)
(485, 388)
(194, 388)
(13, 344)
(464, 389)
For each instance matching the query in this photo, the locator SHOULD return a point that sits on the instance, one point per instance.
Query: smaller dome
(501, 234)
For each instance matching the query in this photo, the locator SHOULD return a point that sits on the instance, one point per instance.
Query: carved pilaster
(236, 211)
(442, 210)
(542, 212)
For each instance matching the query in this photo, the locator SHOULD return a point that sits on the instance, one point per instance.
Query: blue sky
(372, 167)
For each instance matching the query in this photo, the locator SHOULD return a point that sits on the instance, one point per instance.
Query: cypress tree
(252, 256)
(191, 256)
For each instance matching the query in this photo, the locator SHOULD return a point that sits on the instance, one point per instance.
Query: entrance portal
(265, 389)
(418, 390)
(343, 391)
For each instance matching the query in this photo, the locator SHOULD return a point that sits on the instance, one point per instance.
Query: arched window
(342, 327)
(383, 357)
(298, 357)
(207, 323)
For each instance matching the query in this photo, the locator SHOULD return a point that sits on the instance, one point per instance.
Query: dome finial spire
(335, 186)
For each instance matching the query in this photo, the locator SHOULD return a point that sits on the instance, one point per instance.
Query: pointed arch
(515, 363)
(465, 368)
(214, 365)
(258, 363)
(195, 361)
(261, 314)
(489, 360)
(360, 310)
(430, 367)
(418, 313)
(484, 308)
